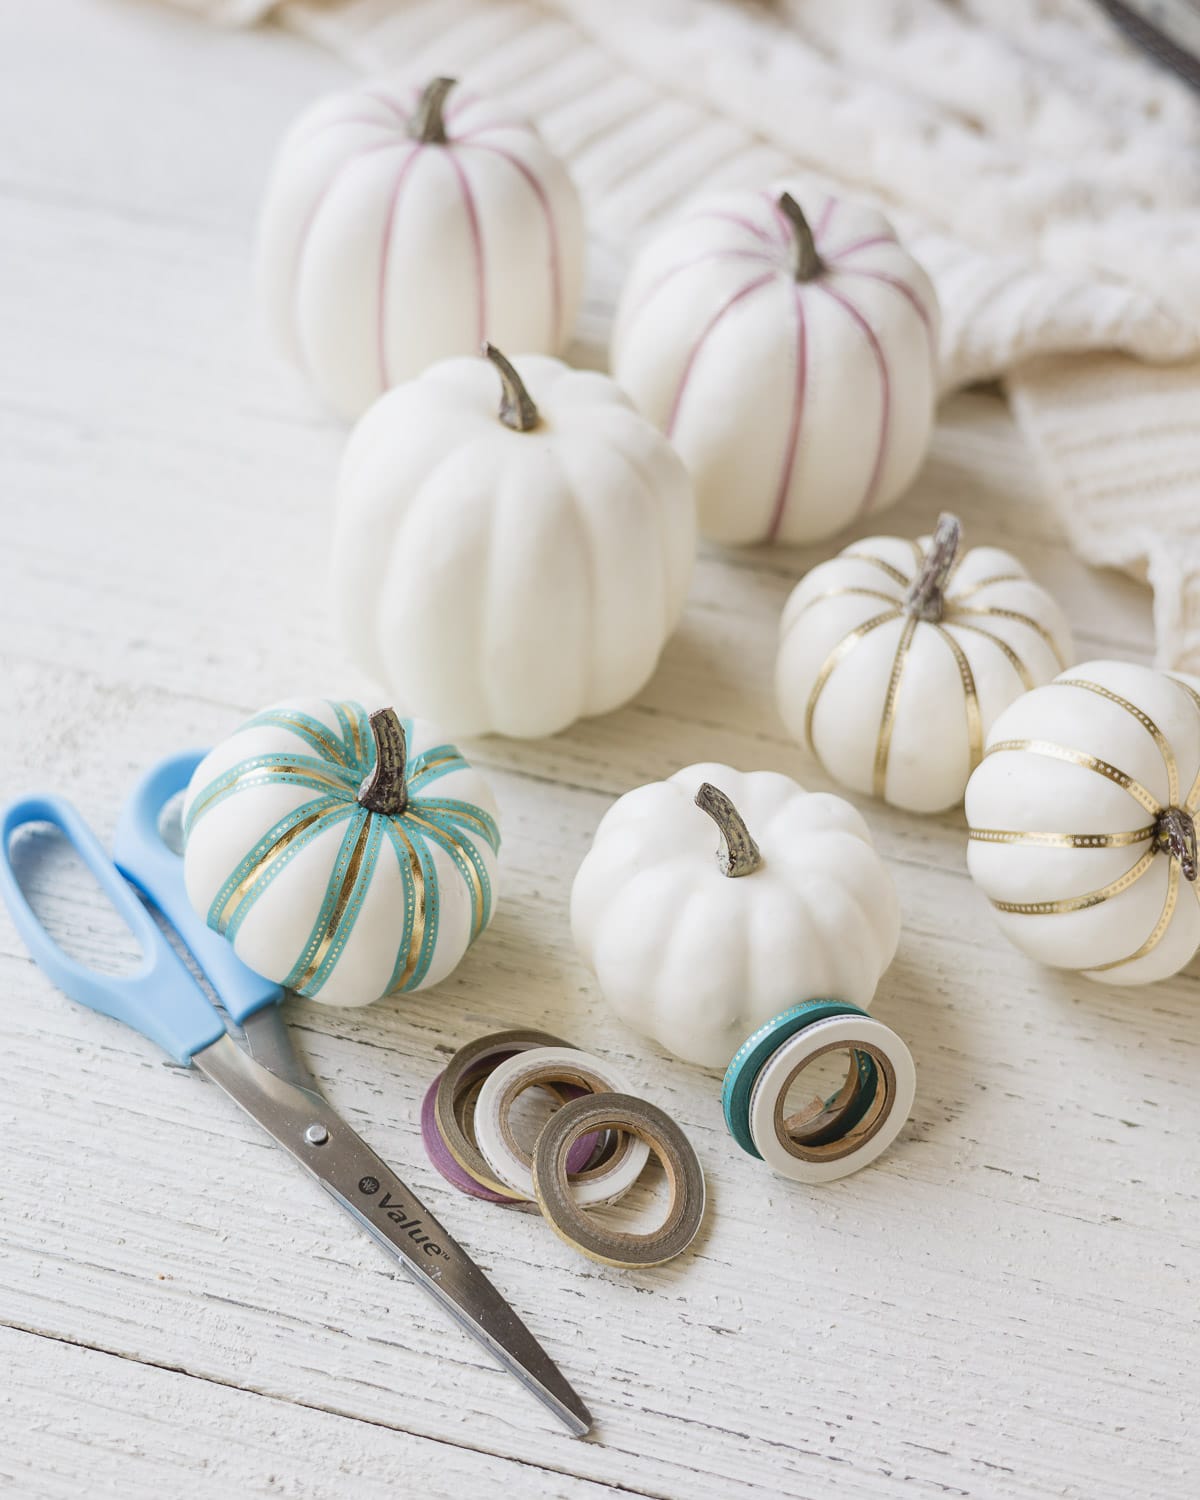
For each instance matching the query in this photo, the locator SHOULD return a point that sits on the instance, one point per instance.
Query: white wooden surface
(1004, 1306)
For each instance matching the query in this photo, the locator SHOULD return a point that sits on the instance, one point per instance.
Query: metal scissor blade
(367, 1188)
(269, 1042)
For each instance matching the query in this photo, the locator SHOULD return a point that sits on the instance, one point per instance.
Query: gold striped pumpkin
(897, 656)
(1081, 822)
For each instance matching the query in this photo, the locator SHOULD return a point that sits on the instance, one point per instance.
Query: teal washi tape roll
(750, 1057)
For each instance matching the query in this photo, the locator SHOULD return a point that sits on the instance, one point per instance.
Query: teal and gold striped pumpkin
(346, 856)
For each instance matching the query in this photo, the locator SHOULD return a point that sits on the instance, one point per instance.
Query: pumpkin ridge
(338, 891)
(305, 235)
(555, 253)
(970, 696)
(412, 961)
(883, 742)
(476, 234)
(260, 770)
(1157, 931)
(467, 860)
(1160, 740)
(343, 923)
(415, 149)
(878, 562)
(268, 858)
(467, 813)
(800, 389)
(1022, 619)
(665, 277)
(954, 598)
(839, 653)
(696, 349)
(316, 735)
(357, 740)
(1014, 661)
(885, 388)
(431, 765)
(1088, 762)
(1088, 899)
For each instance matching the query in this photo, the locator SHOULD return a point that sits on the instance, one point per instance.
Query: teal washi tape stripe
(750, 1057)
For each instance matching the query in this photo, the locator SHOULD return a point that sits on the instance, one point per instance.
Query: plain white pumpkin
(896, 657)
(509, 567)
(345, 856)
(1081, 822)
(703, 919)
(795, 369)
(402, 227)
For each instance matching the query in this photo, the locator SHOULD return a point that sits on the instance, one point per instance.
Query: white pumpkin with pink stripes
(791, 356)
(402, 226)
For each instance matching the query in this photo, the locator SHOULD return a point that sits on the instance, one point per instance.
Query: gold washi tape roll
(645, 1122)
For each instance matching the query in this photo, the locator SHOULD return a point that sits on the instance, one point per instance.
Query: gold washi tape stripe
(1160, 927)
(338, 910)
(983, 583)
(971, 697)
(1192, 800)
(1147, 723)
(884, 567)
(883, 745)
(1064, 840)
(839, 654)
(222, 919)
(1087, 900)
(1089, 763)
(1021, 619)
(416, 939)
(1014, 660)
(842, 592)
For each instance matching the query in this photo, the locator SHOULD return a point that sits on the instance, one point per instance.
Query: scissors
(259, 1069)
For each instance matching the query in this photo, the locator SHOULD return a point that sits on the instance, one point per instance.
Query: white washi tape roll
(895, 1088)
(493, 1132)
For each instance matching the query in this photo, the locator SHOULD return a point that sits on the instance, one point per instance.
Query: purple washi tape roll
(439, 1154)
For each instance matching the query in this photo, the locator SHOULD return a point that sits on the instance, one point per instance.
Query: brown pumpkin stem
(516, 404)
(428, 124)
(741, 854)
(385, 788)
(926, 599)
(806, 262)
(1175, 834)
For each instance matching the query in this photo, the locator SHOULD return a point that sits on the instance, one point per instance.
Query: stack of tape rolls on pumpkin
(513, 545)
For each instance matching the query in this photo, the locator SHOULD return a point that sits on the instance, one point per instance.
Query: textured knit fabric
(1046, 174)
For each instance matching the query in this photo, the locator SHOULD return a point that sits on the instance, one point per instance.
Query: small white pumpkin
(710, 902)
(400, 228)
(1082, 829)
(795, 369)
(896, 657)
(345, 856)
(509, 567)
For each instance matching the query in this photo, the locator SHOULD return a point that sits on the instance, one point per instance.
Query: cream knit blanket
(1047, 176)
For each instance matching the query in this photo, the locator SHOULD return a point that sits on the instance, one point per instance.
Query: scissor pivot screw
(316, 1135)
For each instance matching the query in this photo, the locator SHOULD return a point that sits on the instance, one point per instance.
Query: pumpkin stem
(806, 262)
(516, 404)
(428, 124)
(385, 787)
(741, 854)
(1175, 834)
(926, 599)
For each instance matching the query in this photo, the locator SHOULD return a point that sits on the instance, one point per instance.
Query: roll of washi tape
(553, 1065)
(660, 1134)
(482, 1054)
(586, 1152)
(841, 1113)
(854, 1148)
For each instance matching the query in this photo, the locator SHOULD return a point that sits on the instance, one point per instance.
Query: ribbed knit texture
(1046, 174)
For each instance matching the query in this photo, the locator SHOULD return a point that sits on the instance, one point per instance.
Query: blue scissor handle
(142, 856)
(161, 999)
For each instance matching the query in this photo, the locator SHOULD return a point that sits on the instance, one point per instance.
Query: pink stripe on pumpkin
(739, 219)
(543, 199)
(906, 291)
(384, 254)
(885, 391)
(864, 244)
(476, 234)
(737, 297)
(793, 439)
(826, 218)
(761, 256)
(319, 203)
